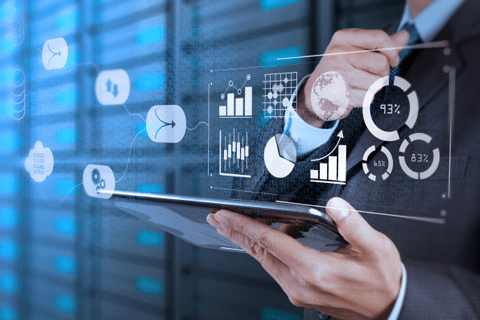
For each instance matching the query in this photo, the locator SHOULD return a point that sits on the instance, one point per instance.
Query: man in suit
(414, 248)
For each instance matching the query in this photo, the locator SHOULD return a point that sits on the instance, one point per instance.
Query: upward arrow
(340, 137)
(109, 85)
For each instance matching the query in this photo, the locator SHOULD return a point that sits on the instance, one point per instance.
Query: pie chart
(280, 156)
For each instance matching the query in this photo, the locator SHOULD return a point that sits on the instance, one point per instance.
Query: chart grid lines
(278, 89)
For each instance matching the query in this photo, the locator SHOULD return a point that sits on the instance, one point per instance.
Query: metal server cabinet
(64, 255)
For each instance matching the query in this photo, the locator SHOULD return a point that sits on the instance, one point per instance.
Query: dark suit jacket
(442, 261)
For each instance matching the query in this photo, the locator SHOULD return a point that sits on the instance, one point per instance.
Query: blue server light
(9, 142)
(9, 184)
(9, 250)
(149, 238)
(9, 217)
(150, 82)
(66, 98)
(267, 5)
(267, 313)
(150, 188)
(66, 264)
(150, 35)
(9, 283)
(67, 136)
(65, 226)
(150, 286)
(66, 303)
(65, 187)
(67, 20)
(268, 59)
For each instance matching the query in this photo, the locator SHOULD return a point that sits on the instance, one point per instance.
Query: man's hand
(360, 69)
(358, 281)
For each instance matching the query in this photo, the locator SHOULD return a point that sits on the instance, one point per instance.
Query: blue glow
(150, 188)
(66, 303)
(65, 226)
(150, 82)
(67, 136)
(268, 59)
(69, 19)
(9, 184)
(9, 283)
(7, 313)
(8, 12)
(9, 250)
(141, 127)
(150, 286)
(150, 35)
(9, 142)
(65, 187)
(65, 264)
(6, 76)
(9, 217)
(6, 45)
(267, 5)
(66, 98)
(267, 313)
(6, 109)
(149, 238)
(73, 58)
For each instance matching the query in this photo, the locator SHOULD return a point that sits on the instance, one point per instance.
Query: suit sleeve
(440, 292)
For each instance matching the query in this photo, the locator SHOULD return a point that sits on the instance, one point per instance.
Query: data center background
(64, 255)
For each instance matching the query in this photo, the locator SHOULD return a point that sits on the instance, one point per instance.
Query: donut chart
(403, 164)
(378, 85)
(389, 168)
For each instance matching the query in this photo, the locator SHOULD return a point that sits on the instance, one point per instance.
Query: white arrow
(340, 137)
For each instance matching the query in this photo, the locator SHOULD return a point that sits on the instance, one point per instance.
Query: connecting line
(129, 154)
(421, 219)
(134, 114)
(452, 74)
(429, 45)
(86, 64)
(63, 199)
(194, 128)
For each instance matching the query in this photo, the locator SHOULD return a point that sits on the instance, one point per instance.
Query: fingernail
(222, 220)
(338, 209)
(212, 221)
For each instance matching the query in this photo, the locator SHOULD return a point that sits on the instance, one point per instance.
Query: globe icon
(330, 97)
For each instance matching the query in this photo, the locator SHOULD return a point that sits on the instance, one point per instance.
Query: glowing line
(421, 219)
(430, 45)
(203, 122)
(129, 154)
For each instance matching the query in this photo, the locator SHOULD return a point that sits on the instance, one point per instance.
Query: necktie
(405, 53)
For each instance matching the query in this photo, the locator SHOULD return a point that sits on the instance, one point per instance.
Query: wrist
(304, 111)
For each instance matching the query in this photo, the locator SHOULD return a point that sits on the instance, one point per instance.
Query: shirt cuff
(397, 308)
(306, 137)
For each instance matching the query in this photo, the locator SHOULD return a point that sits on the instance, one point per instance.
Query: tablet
(185, 217)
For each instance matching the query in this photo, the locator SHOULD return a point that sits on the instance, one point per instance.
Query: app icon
(166, 124)
(112, 87)
(39, 162)
(55, 54)
(97, 178)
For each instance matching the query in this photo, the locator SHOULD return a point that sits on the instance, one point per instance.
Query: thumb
(351, 225)
(400, 39)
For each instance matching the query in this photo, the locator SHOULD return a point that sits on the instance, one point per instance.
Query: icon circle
(389, 169)
(403, 164)
(378, 85)
(280, 156)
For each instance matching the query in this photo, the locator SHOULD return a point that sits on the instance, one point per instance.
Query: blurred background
(64, 255)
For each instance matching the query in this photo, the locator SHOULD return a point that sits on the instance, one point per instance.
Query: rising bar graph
(334, 171)
(239, 103)
(233, 155)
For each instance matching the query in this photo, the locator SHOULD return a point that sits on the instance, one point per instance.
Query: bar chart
(233, 154)
(238, 103)
(334, 170)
